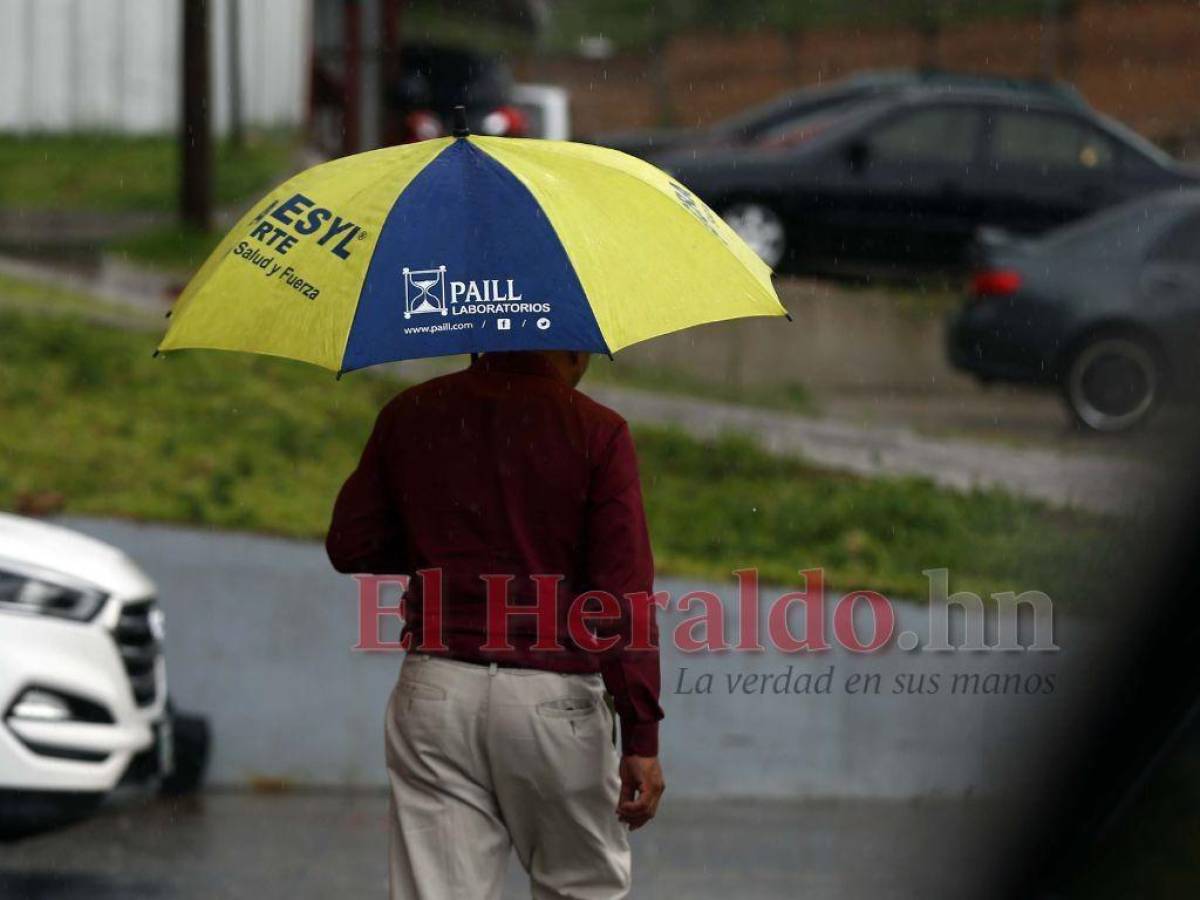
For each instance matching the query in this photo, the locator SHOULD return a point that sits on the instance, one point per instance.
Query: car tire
(1113, 382)
(761, 228)
(193, 743)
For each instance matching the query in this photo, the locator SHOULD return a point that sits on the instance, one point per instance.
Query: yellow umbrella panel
(469, 245)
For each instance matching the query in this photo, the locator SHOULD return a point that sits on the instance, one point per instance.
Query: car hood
(58, 549)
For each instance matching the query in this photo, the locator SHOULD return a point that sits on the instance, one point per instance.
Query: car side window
(944, 135)
(1049, 143)
(1181, 243)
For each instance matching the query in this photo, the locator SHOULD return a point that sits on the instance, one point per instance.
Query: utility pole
(392, 15)
(195, 135)
(237, 135)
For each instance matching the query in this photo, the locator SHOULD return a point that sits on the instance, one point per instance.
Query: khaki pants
(484, 759)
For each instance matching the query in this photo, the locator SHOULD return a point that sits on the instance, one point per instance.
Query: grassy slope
(246, 442)
(174, 248)
(791, 396)
(119, 174)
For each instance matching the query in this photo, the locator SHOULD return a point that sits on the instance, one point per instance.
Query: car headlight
(38, 593)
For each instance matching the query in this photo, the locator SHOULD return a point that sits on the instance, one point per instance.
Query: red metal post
(390, 70)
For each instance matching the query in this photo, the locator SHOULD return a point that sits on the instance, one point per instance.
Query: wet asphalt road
(305, 846)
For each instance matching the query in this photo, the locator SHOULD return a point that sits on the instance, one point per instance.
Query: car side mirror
(858, 154)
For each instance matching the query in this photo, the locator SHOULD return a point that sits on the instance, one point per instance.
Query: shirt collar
(526, 363)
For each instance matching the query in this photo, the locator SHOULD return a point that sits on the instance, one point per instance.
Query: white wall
(113, 65)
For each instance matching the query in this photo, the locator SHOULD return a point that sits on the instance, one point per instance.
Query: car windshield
(750, 122)
(803, 128)
(825, 123)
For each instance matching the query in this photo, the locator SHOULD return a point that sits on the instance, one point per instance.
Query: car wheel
(761, 228)
(1113, 383)
(193, 743)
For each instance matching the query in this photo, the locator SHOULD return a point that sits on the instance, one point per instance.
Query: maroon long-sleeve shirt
(505, 469)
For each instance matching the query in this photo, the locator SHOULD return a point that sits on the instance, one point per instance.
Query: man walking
(509, 489)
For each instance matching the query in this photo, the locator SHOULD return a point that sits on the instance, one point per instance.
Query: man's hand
(642, 787)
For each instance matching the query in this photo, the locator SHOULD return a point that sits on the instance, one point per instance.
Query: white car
(83, 687)
(547, 108)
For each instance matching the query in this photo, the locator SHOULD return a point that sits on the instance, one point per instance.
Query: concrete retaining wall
(259, 634)
(843, 340)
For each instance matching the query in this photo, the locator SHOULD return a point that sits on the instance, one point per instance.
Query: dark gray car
(1107, 309)
(903, 183)
(788, 110)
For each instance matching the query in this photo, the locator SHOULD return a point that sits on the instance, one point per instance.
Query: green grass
(787, 396)
(718, 506)
(207, 438)
(107, 173)
(175, 248)
(37, 297)
(95, 425)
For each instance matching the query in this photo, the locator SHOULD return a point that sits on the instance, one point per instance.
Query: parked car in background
(905, 181)
(546, 108)
(434, 79)
(418, 100)
(83, 687)
(790, 109)
(1107, 309)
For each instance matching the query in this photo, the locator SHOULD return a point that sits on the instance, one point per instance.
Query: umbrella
(464, 245)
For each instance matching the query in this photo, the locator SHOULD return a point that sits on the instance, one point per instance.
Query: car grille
(139, 648)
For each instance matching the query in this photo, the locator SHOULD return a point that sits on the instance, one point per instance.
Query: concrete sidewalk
(315, 846)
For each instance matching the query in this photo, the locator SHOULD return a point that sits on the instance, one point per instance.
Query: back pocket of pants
(574, 708)
(419, 697)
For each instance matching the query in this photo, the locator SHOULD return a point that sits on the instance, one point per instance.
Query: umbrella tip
(460, 122)
(789, 316)
(154, 355)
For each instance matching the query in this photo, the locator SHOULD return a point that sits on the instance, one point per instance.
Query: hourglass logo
(424, 291)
